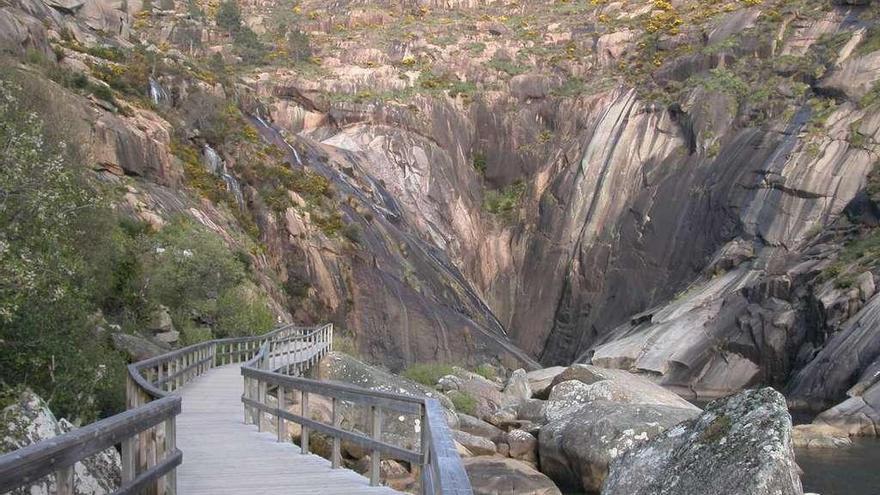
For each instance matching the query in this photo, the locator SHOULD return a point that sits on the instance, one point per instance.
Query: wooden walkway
(222, 455)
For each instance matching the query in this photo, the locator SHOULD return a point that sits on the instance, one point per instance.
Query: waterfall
(213, 162)
(234, 187)
(217, 166)
(157, 93)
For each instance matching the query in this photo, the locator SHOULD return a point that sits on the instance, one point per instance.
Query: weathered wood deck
(223, 455)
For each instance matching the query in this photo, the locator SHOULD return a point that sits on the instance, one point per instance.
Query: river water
(850, 471)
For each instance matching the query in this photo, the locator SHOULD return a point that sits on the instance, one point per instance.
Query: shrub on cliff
(54, 246)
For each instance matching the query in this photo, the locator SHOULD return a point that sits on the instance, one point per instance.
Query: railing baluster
(424, 440)
(336, 454)
(64, 481)
(170, 447)
(279, 421)
(304, 440)
(375, 455)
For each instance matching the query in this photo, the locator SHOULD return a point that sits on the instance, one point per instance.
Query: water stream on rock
(157, 93)
(217, 166)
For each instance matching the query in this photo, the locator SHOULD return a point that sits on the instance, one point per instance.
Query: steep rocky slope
(678, 188)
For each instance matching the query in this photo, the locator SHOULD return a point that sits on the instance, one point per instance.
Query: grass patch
(463, 402)
(716, 430)
(428, 373)
(509, 67)
(487, 371)
(505, 202)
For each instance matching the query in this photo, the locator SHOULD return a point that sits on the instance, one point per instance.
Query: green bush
(479, 162)
(242, 311)
(463, 402)
(188, 264)
(229, 16)
(428, 373)
(248, 46)
(505, 202)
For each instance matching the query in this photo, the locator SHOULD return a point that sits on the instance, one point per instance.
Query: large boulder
(517, 389)
(29, 420)
(540, 380)
(741, 445)
(623, 385)
(476, 445)
(500, 476)
(478, 427)
(576, 449)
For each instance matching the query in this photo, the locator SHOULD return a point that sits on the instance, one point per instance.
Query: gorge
(683, 190)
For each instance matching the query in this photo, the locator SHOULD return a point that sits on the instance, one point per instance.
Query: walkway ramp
(223, 455)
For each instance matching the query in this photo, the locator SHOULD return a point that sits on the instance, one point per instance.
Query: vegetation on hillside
(71, 267)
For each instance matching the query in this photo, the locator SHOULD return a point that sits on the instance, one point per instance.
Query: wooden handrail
(273, 363)
(146, 431)
(269, 371)
(58, 454)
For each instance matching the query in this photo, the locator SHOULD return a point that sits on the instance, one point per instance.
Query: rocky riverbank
(593, 430)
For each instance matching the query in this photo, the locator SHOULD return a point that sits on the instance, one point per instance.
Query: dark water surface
(849, 471)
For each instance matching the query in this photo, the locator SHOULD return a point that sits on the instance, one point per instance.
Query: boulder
(160, 320)
(501, 476)
(522, 445)
(478, 427)
(576, 450)
(29, 420)
(741, 445)
(625, 386)
(137, 348)
(819, 436)
(487, 393)
(517, 389)
(531, 86)
(476, 445)
(169, 337)
(540, 380)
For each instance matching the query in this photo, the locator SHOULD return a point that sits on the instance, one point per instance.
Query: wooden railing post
(375, 455)
(279, 421)
(261, 398)
(64, 481)
(170, 448)
(304, 439)
(424, 441)
(336, 455)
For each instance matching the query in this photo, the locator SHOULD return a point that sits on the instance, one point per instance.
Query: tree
(229, 16)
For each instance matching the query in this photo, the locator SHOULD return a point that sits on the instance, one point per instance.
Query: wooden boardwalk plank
(222, 455)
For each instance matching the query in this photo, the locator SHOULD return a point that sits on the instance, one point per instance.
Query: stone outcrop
(28, 420)
(817, 436)
(740, 445)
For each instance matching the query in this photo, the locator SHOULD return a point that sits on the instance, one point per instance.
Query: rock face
(29, 420)
(853, 352)
(740, 445)
(499, 476)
